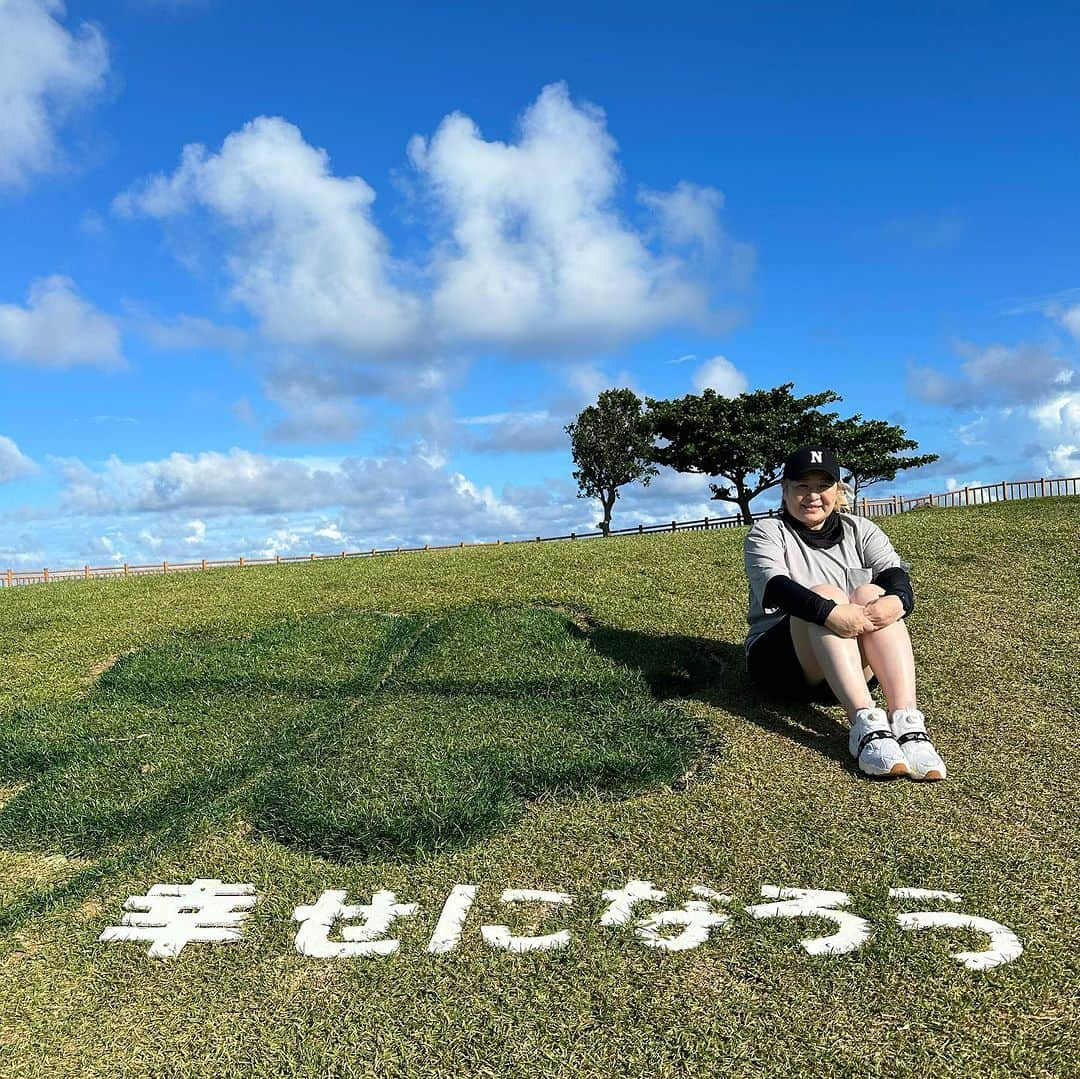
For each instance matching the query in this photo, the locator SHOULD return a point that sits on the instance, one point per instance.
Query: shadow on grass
(714, 672)
(349, 736)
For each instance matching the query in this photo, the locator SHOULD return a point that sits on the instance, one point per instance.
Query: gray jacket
(772, 550)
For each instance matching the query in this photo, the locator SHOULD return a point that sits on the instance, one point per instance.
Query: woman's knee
(831, 591)
(865, 593)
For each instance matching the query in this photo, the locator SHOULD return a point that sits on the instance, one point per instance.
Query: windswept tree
(868, 450)
(742, 440)
(611, 442)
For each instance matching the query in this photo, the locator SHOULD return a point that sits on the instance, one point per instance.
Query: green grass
(565, 716)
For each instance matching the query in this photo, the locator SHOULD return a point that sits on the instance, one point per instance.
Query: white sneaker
(872, 744)
(909, 727)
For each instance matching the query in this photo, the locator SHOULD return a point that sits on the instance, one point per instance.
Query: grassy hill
(561, 716)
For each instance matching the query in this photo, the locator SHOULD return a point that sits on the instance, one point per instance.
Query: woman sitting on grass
(828, 596)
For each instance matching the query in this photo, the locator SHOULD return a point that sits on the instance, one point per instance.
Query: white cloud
(517, 432)
(994, 374)
(188, 333)
(688, 215)
(307, 259)
(45, 70)
(313, 417)
(1058, 421)
(1069, 317)
(529, 253)
(1064, 460)
(539, 257)
(14, 464)
(721, 375)
(58, 328)
(198, 532)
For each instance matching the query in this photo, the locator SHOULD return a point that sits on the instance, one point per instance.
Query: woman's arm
(798, 600)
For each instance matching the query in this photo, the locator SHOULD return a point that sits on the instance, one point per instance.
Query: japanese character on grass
(353, 735)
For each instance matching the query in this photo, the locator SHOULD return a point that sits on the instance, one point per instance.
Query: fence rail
(1006, 491)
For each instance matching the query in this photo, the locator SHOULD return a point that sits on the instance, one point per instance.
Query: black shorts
(774, 667)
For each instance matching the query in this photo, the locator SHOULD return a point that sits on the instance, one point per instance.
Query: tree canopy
(869, 449)
(743, 440)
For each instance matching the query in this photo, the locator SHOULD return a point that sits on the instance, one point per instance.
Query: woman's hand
(884, 610)
(849, 620)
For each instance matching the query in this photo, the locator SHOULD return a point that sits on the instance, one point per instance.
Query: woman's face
(811, 498)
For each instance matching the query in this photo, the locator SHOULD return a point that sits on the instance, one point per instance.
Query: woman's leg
(822, 654)
(888, 651)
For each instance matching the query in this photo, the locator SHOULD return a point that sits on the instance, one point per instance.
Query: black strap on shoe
(913, 736)
(873, 736)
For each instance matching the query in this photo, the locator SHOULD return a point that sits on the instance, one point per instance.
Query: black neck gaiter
(828, 535)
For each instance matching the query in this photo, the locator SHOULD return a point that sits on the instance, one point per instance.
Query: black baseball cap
(811, 459)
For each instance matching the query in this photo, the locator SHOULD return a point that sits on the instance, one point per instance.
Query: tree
(611, 442)
(736, 438)
(868, 450)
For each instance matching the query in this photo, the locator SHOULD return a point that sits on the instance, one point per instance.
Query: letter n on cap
(815, 457)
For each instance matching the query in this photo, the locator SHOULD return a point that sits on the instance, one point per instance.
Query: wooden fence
(869, 507)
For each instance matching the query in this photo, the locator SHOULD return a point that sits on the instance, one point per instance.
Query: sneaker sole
(933, 776)
(898, 771)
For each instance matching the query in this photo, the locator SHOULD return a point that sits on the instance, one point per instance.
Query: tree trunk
(744, 505)
(607, 500)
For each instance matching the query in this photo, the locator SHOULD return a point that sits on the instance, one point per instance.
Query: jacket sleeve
(763, 556)
(798, 600)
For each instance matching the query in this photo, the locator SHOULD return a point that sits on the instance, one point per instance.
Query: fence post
(641, 530)
(9, 576)
(706, 522)
(277, 559)
(165, 566)
(537, 539)
(672, 526)
(342, 554)
(125, 569)
(313, 558)
(46, 574)
(573, 535)
(1042, 486)
(86, 571)
(241, 561)
(896, 503)
(1004, 492)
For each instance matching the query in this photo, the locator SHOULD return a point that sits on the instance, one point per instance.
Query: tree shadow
(714, 672)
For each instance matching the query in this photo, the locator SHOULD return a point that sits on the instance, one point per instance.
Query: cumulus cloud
(58, 328)
(14, 464)
(527, 250)
(1058, 422)
(538, 256)
(217, 483)
(1006, 374)
(721, 375)
(307, 259)
(225, 504)
(45, 70)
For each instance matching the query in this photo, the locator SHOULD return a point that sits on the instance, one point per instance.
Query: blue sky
(276, 279)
